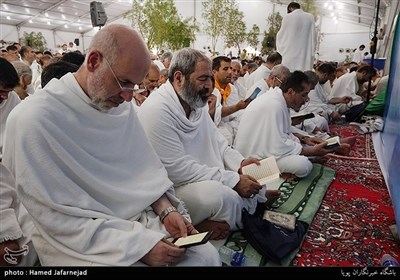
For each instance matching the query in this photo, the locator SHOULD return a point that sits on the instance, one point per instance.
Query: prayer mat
(301, 198)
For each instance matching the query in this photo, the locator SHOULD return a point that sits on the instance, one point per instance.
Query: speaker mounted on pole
(97, 14)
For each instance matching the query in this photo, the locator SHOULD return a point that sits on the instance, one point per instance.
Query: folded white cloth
(372, 125)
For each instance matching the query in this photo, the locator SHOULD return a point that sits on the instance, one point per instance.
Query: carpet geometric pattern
(351, 228)
(363, 147)
(349, 220)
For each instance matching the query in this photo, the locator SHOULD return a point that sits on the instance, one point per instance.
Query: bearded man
(205, 170)
(86, 173)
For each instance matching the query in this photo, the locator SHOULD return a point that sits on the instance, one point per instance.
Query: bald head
(121, 42)
(118, 59)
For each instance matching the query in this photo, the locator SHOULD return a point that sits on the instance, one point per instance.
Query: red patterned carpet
(351, 228)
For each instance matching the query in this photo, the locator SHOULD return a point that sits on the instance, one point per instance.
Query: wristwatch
(166, 211)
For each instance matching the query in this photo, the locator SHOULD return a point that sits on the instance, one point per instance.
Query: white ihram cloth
(226, 131)
(358, 56)
(15, 222)
(5, 108)
(218, 107)
(265, 130)
(319, 99)
(197, 158)
(346, 85)
(296, 40)
(87, 178)
(231, 122)
(240, 87)
(261, 84)
(261, 73)
(36, 73)
(227, 125)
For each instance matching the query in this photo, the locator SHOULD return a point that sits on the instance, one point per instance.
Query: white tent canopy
(62, 21)
(74, 15)
(58, 15)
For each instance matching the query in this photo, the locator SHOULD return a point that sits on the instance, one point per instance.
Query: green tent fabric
(377, 105)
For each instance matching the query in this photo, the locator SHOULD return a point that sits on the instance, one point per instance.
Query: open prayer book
(333, 142)
(267, 171)
(193, 240)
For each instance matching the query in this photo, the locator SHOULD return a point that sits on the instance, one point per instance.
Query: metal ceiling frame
(349, 16)
(53, 8)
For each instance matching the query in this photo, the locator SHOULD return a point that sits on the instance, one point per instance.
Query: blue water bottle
(232, 257)
(388, 260)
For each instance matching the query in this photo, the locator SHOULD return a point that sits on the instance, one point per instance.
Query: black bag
(355, 113)
(270, 240)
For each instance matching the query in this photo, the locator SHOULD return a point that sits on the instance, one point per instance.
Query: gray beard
(192, 98)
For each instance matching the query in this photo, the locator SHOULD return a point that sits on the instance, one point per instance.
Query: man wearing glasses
(275, 79)
(97, 192)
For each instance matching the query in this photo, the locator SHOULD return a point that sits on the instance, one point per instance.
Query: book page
(333, 142)
(190, 239)
(266, 172)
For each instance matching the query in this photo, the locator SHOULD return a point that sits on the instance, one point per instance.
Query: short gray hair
(165, 56)
(236, 62)
(185, 61)
(280, 70)
(22, 68)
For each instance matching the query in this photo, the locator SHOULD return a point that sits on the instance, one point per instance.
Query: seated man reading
(85, 171)
(267, 120)
(205, 170)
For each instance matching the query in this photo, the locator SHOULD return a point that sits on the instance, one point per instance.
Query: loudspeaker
(97, 14)
(76, 41)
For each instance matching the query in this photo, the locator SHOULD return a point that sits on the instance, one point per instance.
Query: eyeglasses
(279, 80)
(125, 89)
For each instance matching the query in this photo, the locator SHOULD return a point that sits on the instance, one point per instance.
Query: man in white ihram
(85, 171)
(296, 39)
(206, 171)
(267, 120)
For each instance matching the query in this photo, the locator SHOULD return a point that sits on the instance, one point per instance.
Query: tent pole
(373, 43)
